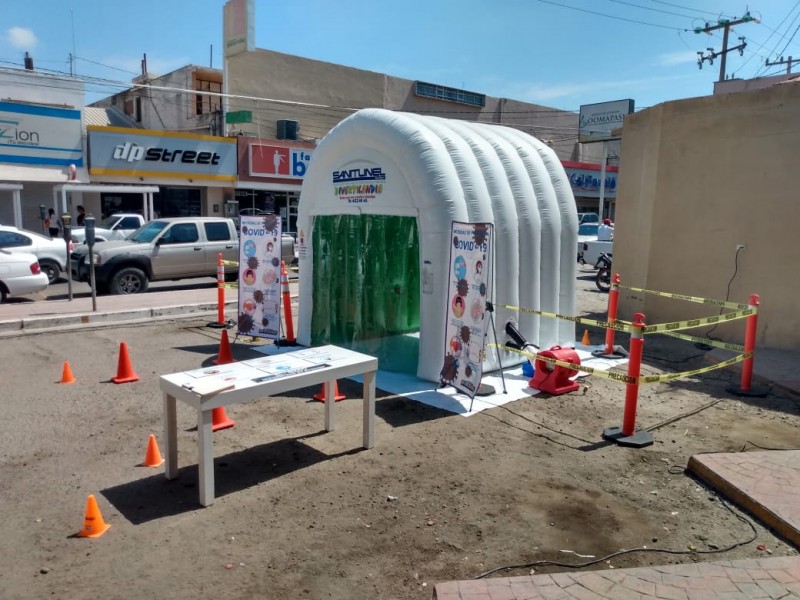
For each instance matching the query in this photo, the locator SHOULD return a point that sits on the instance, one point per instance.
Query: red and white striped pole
(627, 435)
(613, 300)
(287, 304)
(220, 322)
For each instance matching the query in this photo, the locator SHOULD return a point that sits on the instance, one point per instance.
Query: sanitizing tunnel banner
(374, 223)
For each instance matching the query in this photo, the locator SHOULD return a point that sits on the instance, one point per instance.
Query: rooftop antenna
(211, 57)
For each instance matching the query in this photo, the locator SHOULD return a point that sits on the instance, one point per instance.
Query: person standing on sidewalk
(52, 224)
(81, 218)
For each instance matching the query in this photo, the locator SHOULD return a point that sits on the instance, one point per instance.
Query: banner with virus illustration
(260, 276)
(468, 292)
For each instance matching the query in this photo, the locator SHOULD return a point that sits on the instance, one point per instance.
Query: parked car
(51, 253)
(20, 274)
(164, 249)
(588, 218)
(115, 227)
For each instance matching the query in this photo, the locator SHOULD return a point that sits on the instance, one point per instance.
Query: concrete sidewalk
(31, 317)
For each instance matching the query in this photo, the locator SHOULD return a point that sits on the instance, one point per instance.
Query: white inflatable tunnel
(374, 223)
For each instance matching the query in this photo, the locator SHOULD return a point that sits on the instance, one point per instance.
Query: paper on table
(209, 387)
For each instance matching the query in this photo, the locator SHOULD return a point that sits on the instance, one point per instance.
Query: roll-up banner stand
(468, 292)
(260, 276)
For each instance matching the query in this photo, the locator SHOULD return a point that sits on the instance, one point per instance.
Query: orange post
(220, 290)
(628, 435)
(750, 343)
(746, 387)
(613, 299)
(287, 304)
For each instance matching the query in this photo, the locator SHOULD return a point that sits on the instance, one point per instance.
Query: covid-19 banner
(260, 276)
(468, 293)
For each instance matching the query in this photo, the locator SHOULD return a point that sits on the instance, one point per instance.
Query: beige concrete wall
(267, 74)
(698, 177)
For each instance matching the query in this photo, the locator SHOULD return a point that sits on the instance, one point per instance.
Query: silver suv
(177, 248)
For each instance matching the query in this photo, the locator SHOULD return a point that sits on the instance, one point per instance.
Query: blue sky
(537, 51)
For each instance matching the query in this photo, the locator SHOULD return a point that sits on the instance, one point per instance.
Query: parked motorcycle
(603, 278)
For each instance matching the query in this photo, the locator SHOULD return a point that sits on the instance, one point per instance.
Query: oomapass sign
(598, 121)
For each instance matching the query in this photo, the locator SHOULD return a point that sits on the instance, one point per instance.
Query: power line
(708, 12)
(599, 14)
(666, 12)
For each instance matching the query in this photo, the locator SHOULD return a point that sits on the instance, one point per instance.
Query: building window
(448, 94)
(205, 104)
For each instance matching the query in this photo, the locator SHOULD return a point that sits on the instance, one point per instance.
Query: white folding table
(254, 379)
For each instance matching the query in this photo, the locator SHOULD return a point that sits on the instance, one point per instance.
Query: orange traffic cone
(586, 341)
(152, 457)
(324, 391)
(93, 523)
(224, 357)
(66, 374)
(125, 373)
(220, 419)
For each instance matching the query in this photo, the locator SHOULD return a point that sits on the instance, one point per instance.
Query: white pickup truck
(589, 247)
(115, 227)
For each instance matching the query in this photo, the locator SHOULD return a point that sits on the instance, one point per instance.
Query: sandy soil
(304, 514)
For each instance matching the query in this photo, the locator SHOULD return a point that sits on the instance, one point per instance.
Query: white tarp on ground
(451, 400)
(441, 170)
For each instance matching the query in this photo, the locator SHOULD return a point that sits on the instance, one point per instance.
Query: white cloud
(21, 38)
(676, 58)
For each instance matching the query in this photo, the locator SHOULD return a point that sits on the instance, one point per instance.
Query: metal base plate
(639, 439)
(753, 392)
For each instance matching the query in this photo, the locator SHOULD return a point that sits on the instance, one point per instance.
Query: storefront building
(270, 176)
(194, 173)
(41, 144)
(585, 179)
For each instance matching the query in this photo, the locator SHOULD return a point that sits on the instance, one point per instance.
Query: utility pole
(789, 62)
(725, 24)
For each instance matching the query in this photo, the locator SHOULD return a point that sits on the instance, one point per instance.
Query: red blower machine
(549, 378)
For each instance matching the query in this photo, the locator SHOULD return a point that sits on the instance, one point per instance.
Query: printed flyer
(260, 276)
(468, 293)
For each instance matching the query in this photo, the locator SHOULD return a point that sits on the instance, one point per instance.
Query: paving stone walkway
(771, 578)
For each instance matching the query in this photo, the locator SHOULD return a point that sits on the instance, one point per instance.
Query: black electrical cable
(727, 296)
(545, 563)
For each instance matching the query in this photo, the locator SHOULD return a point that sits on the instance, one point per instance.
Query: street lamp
(66, 221)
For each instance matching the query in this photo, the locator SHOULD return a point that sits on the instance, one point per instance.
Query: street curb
(50, 323)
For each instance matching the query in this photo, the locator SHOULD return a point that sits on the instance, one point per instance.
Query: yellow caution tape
(721, 303)
(647, 379)
(228, 285)
(670, 376)
(616, 325)
(691, 323)
(592, 371)
(230, 263)
(706, 341)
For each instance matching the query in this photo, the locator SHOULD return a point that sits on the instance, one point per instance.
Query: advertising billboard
(144, 153)
(40, 135)
(599, 121)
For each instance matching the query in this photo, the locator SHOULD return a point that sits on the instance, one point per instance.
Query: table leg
(171, 436)
(205, 457)
(369, 409)
(330, 400)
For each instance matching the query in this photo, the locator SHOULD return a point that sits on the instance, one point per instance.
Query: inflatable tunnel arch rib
(379, 162)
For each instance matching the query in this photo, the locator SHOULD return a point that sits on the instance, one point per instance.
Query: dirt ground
(304, 514)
